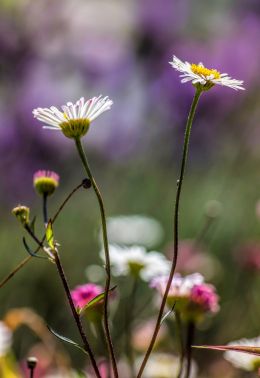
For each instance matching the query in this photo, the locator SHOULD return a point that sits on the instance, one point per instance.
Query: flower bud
(45, 182)
(22, 213)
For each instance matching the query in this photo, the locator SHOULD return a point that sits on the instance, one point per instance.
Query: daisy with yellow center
(74, 119)
(204, 77)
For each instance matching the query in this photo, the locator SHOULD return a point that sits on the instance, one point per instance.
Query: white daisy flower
(205, 77)
(244, 361)
(162, 365)
(136, 260)
(5, 339)
(74, 119)
(134, 229)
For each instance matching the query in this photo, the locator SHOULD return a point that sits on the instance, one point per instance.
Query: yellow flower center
(75, 128)
(203, 71)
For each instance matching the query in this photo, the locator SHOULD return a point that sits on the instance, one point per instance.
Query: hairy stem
(106, 250)
(176, 227)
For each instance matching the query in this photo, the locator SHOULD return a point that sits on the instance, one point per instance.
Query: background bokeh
(52, 52)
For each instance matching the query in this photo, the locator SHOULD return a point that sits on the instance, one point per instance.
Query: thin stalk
(27, 259)
(106, 249)
(128, 326)
(31, 372)
(176, 227)
(75, 314)
(190, 338)
(180, 336)
(70, 300)
(45, 209)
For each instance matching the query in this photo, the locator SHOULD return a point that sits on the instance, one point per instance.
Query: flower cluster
(135, 260)
(190, 294)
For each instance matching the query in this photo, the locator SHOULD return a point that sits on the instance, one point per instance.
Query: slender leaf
(167, 314)
(49, 235)
(233, 348)
(28, 249)
(32, 224)
(66, 340)
(94, 301)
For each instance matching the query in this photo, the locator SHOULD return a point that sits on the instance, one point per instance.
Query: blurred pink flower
(248, 255)
(189, 294)
(83, 294)
(206, 297)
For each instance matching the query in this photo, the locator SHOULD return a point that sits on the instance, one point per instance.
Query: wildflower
(5, 339)
(244, 361)
(191, 295)
(22, 213)
(202, 77)
(137, 261)
(74, 119)
(83, 294)
(204, 296)
(167, 366)
(134, 229)
(45, 182)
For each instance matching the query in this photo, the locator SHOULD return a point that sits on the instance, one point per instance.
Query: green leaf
(233, 348)
(32, 224)
(49, 235)
(94, 301)
(66, 340)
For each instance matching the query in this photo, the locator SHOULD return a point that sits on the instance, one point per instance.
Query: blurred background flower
(55, 51)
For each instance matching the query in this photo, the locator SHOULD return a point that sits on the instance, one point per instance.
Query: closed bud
(45, 182)
(22, 213)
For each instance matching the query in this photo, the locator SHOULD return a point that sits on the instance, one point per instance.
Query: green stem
(45, 209)
(176, 226)
(130, 307)
(180, 336)
(106, 249)
(70, 300)
(76, 316)
(190, 338)
(27, 259)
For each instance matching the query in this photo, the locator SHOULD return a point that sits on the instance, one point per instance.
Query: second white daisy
(205, 77)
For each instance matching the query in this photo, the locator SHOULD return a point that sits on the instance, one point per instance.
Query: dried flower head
(74, 119)
(202, 77)
(45, 182)
(22, 213)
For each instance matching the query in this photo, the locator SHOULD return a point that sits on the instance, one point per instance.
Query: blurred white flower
(162, 365)
(134, 229)
(5, 339)
(136, 260)
(207, 78)
(241, 360)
